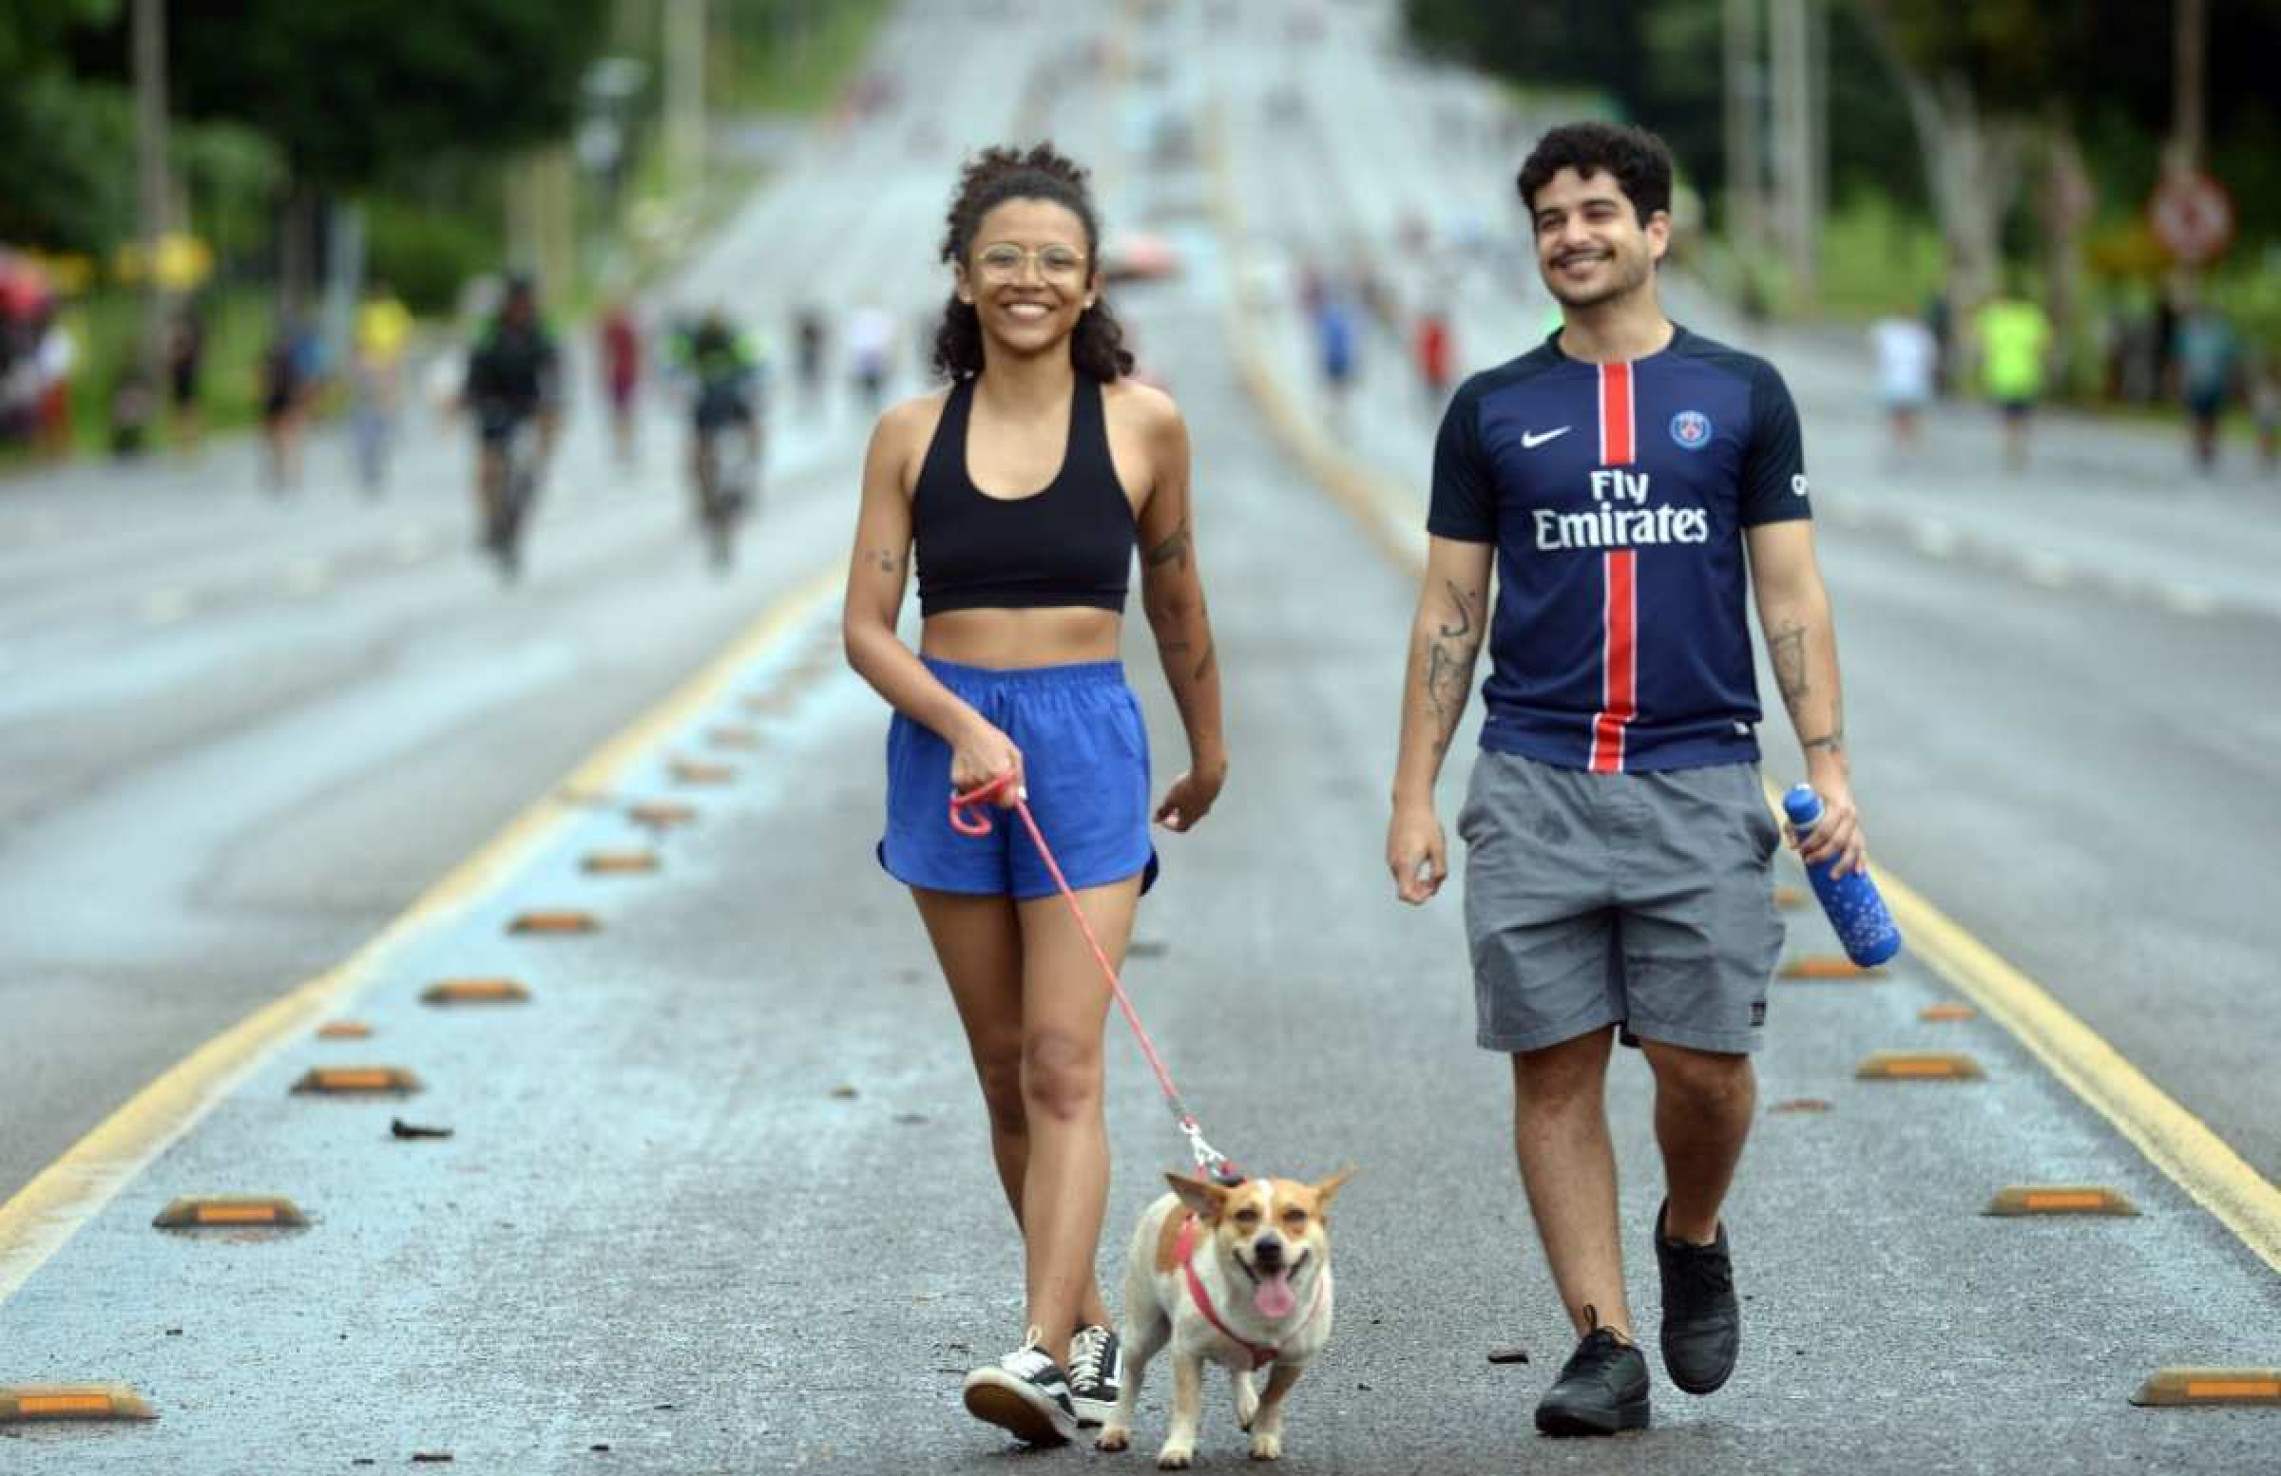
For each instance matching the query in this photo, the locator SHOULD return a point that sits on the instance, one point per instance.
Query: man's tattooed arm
(1786, 650)
(1449, 658)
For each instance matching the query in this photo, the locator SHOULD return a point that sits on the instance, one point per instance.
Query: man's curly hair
(989, 180)
(1639, 161)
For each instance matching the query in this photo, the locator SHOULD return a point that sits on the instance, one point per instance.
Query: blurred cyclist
(513, 381)
(724, 367)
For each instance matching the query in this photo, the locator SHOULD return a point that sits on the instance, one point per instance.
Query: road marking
(2187, 599)
(308, 576)
(166, 606)
(2047, 569)
(1933, 538)
(43, 1216)
(2171, 1138)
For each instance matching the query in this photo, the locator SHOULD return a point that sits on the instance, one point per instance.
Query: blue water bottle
(1851, 901)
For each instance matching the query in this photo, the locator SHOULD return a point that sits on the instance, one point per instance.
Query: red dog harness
(1261, 1355)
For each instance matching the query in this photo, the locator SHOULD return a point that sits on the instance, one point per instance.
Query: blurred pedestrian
(185, 369)
(1435, 357)
(2265, 406)
(2208, 358)
(56, 357)
(1907, 355)
(871, 335)
(1622, 492)
(133, 409)
(1336, 333)
(808, 334)
(1017, 682)
(382, 336)
(621, 359)
(2014, 337)
(285, 389)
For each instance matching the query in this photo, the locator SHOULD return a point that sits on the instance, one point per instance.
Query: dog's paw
(1266, 1447)
(1175, 1457)
(1113, 1437)
(1247, 1400)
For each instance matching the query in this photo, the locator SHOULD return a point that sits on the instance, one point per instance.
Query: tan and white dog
(1237, 1276)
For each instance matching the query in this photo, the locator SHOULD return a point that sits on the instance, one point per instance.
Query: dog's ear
(1206, 1198)
(1327, 1190)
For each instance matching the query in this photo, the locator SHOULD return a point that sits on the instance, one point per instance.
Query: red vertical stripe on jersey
(1619, 684)
(1617, 443)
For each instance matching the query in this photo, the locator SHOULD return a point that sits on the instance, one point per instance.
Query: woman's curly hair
(990, 179)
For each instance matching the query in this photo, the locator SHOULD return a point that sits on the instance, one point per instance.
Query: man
(1906, 353)
(2208, 358)
(513, 378)
(1618, 841)
(2015, 350)
(724, 368)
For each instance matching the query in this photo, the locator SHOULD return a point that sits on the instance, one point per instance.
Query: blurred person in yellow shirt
(383, 334)
(2014, 336)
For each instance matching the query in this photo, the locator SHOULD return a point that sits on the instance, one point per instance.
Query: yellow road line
(2171, 1138)
(48, 1211)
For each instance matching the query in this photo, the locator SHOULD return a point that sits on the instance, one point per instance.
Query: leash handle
(968, 818)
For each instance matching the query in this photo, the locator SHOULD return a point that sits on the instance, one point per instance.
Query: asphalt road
(718, 1198)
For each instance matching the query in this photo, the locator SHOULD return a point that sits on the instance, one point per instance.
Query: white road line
(166, 606)
(2047, 569)
(308, 577)
(2187, 599)
(1933, 538)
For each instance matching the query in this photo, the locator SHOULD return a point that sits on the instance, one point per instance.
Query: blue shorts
(1084, 760)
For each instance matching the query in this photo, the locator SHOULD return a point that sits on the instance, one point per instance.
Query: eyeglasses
(1003, 262)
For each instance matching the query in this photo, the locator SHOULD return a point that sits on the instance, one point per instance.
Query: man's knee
(1709, 1078)
(1568, 1071)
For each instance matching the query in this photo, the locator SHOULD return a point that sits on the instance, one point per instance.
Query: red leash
(967, 819)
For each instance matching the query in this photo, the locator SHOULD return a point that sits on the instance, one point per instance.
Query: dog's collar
(1260, 1354)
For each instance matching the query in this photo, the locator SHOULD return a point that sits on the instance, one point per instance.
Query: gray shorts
(1641, 900)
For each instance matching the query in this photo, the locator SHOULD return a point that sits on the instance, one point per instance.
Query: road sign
(2192, 216)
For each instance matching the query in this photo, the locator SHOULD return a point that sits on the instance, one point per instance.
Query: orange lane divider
(1918, 1066)
(662, 815)
(1947, 1010)
(732, 735)
(2175, 1386)
(2059, 1199)
(699, 771)
(618, 863)
(236, 1211)
(555, 920)
(1789, 898)
(1828, 966)
(344, 1030)
(357, 1081)
(1801, 1104)
(475, 991)
(22, 1403)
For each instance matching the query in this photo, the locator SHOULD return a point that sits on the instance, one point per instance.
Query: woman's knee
(1061, 1075)
(1000, 1072)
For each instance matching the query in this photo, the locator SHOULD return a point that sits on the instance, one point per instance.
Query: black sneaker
(1601, 1389)
(1026, 1393)
(1096, 1374)
(1702, 1322)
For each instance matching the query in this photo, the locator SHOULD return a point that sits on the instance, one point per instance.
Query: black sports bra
(1071, 544)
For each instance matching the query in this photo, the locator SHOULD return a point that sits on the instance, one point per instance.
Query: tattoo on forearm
(1786, 649)
(1173, 550)
(1449, 663)
(886, 561)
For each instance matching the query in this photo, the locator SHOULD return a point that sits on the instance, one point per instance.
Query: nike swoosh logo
(1530, 440)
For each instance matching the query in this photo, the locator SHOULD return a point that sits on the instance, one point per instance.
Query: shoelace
(1701, 1274)
(1085, 1353)
(1600, 1348)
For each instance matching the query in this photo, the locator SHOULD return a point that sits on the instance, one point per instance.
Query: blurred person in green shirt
(2014, 337)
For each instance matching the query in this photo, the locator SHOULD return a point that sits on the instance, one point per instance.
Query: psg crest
(1691, 429)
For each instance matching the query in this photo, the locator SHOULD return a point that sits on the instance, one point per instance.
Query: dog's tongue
(1273, 1297)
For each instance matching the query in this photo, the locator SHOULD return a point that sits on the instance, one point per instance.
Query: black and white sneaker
(1025, 1393)
(1096, 1374)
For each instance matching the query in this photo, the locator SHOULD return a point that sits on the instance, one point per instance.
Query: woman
(1023, 490)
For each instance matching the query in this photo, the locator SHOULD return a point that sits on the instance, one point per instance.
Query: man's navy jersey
(1617, 495)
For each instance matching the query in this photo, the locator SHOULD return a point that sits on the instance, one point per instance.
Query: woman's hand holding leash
(982, 755)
